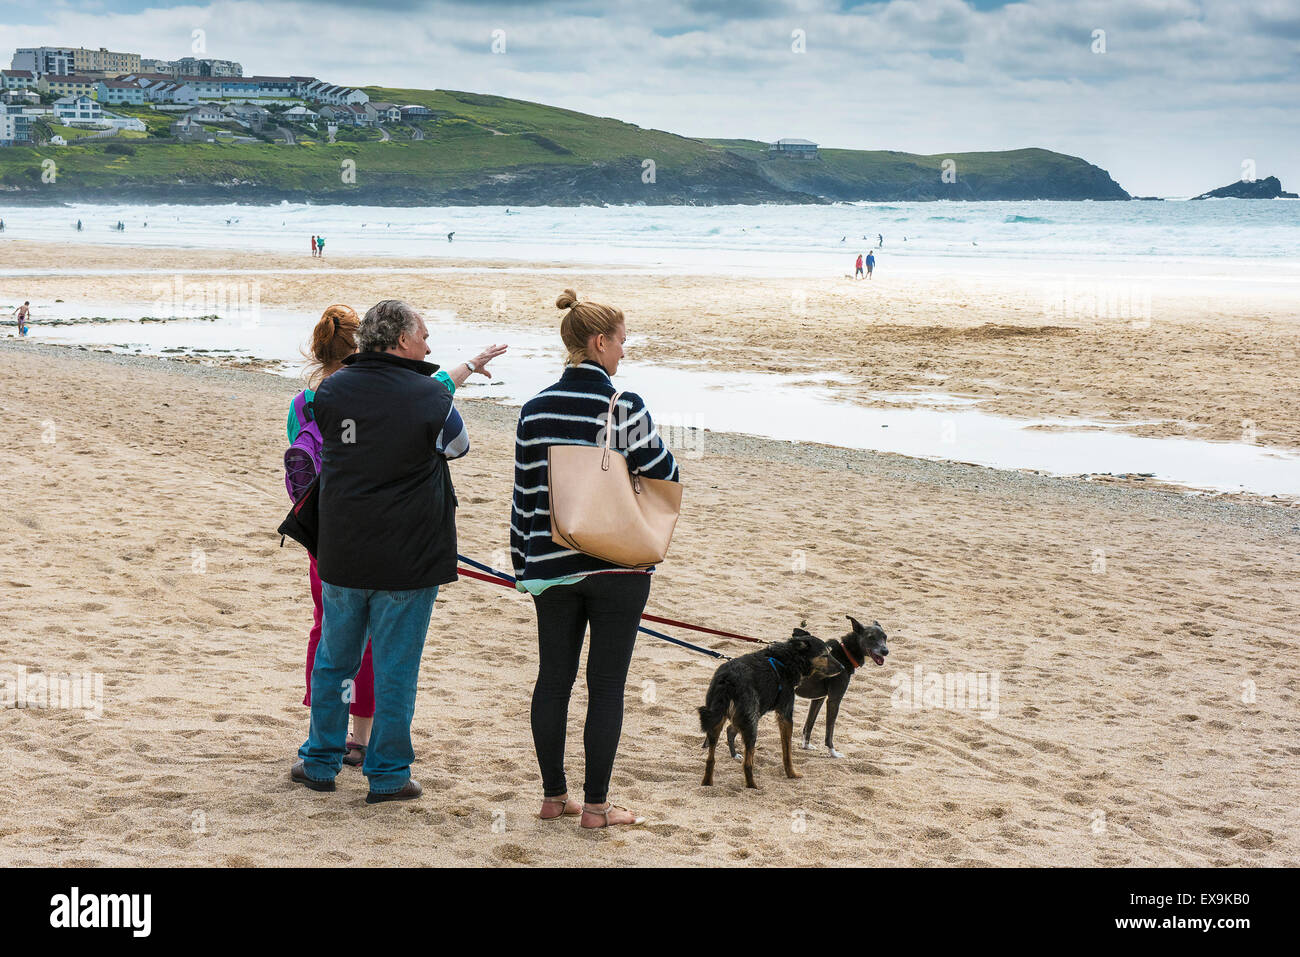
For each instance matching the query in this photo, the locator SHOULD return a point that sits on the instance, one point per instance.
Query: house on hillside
(204, 113)
(299, 114)
(15, 126)
(248, 115)
(318, 91)
(189, 130)
(347, 114)
(387, 112)
(159, 88)
(336, 115)
(71, 85)
(70, 110)
(21, 97)
(117, 121)
(114, 92)
(795, 149)
(414, 112)
(18, 79)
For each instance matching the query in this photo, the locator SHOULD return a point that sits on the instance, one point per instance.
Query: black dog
(851, 652)
(746, 688)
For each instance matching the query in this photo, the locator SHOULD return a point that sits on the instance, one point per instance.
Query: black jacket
(387, 506)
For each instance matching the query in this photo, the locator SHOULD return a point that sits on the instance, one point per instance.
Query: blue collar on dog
(772, 662)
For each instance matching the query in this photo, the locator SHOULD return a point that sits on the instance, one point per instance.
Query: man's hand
(487, 355)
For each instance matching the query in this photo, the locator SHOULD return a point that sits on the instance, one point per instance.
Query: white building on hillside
(77, 109)
(18, 79)
(15, 126)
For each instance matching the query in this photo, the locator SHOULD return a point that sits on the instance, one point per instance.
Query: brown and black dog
(746, 688)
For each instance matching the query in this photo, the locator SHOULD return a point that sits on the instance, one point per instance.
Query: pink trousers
(363, 706)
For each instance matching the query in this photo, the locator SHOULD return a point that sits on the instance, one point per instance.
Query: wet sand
(1203, 361)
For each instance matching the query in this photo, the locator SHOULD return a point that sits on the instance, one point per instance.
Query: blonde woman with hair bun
(570, 589)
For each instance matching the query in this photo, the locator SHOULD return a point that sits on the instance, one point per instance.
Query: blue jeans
(397, 622)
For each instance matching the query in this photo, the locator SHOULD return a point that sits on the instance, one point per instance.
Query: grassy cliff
(494, 150)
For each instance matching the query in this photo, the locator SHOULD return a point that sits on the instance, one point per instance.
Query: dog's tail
(717, 706)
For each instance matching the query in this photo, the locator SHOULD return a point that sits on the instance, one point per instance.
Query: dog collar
(849, 655)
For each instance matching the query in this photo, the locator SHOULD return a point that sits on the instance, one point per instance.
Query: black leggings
(612, 603)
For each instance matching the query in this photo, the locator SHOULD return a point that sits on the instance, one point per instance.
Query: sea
(970, 238)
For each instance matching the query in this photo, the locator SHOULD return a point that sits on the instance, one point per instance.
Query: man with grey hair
(386, 542)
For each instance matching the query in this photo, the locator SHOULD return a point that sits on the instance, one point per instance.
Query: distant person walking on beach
(570, 589)
(386, 543)
(313, 247)
(320, 247)
(871, 263)
(20, 318)
(857, 269)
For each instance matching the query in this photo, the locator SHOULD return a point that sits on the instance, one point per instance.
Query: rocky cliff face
(1270, 187)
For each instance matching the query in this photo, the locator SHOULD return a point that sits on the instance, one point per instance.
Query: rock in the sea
(1270, 187)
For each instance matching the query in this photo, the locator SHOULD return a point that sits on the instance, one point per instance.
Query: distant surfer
(450, 235)
(78, 225)
(857, 269)
(871, 263)
(881, 237)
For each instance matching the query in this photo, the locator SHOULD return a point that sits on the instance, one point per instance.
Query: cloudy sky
(1184, 92)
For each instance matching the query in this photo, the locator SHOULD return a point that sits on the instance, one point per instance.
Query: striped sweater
(573, 412)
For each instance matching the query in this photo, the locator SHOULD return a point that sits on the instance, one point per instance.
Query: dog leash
(495, 577)
(655, 618)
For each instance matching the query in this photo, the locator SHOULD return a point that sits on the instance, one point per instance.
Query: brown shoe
(409, 792)
(298, 775)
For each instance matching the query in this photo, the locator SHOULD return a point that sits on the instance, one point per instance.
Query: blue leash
(649, 631)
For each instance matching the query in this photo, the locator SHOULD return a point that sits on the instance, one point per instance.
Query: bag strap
(609, 431)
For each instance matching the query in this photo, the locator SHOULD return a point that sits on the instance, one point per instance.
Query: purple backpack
(302, 458)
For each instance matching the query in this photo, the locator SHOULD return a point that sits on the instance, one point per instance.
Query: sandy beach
(1142, 641)
(1171, 356)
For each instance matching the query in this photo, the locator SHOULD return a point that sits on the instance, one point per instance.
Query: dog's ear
(799, 633)
(857, 625)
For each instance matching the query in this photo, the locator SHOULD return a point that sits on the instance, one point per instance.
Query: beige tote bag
(602, 510)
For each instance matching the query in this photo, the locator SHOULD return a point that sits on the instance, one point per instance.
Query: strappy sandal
(359, 759)
(586, 809)
(564, 803)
